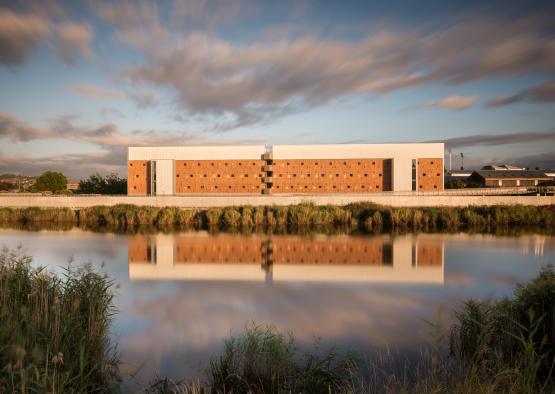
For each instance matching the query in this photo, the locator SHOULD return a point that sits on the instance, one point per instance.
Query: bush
(263, 360)
(232, 217)
(516, 334)
(50, 181)
(97, 184)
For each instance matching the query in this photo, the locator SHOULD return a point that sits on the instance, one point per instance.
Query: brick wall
(218, 176)
(430, 174)
(429, 254)
(331, 176)
(223, 249)
(137, 249)
(352, 251)
(138, 177)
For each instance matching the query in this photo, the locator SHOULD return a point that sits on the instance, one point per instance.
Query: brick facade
(331, 176)
(138, 177)
(429, 254)
(219, 176)
(430, 174)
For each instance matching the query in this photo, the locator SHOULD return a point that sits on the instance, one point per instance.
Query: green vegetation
(54, 330)
(455, 184)
(50, 181)
(353, 217)
(54, 338)
(98, 184)
(6, 186)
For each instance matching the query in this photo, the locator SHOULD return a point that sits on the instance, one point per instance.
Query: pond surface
(181, 295)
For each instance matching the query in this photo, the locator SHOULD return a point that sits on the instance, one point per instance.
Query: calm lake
(180, 296)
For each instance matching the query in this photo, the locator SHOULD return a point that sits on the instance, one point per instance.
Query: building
(73, 184)
(508, 178)
(360, 168)
(503, 167)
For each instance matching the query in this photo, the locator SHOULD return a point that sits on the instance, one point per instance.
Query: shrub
(231, 217)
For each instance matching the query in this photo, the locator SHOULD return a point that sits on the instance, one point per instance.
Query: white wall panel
(164, 177)
(231, 152)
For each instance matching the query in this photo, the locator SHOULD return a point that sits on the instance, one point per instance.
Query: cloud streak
(451, 102)
(498, 139)
(542, 93)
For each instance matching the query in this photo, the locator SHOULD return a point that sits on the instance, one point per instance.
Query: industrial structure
(346, 168)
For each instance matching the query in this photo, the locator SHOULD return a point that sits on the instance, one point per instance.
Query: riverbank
(363, 217)
(446, 198)
(503, 346)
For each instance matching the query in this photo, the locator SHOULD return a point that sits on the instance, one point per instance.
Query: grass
(54, 330)
(357, 217)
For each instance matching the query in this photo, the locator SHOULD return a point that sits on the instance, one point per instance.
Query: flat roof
(511, 174)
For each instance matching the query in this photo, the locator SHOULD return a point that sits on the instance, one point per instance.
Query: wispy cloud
(499, 139)
(544, 92)
(97, 92)
(451, 102)
(74, 38)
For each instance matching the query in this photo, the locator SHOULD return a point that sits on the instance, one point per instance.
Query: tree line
(56, 182)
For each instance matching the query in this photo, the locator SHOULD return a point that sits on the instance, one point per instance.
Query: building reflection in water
(202, 256)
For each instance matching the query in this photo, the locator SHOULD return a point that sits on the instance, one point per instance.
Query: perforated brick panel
(430, 174)
(218, 176)
(223, 249)
(138, 177)
(332, 176)
(137, 249)
(429, 254)
(292, 250)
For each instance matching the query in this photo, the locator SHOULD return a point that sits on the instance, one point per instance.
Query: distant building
(72, 184)
(508, 178)
(462, 175)
(503, 167)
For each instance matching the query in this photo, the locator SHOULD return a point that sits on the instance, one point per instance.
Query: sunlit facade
(291, 169)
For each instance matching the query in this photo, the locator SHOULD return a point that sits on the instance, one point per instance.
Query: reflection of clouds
(197, 318)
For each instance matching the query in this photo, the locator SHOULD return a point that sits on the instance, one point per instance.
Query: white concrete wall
(402, 155)
(165, 181)
(227, 152)
(207, 201)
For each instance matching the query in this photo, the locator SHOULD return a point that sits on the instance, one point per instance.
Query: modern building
(348, 168)
(508, 178)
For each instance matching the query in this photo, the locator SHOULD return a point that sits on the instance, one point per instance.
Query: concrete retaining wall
(206, 201)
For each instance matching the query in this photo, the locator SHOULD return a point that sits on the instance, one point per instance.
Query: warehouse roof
(511, 174)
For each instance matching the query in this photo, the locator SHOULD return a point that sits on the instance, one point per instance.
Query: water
(181, 295)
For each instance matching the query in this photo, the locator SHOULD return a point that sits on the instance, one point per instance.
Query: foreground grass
(54, 339)
(54, 330)
(360, 216)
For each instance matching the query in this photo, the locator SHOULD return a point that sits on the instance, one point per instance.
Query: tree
(50, 181)
(455, 184)
(97, 184)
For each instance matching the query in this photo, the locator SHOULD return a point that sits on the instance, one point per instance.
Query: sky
(80, 81)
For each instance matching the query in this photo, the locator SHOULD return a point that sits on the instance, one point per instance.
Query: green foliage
(264, 360)
(97, 184)
(213, 216)
(232, 217)
(515, 334)
(54, 330)
(7, 186)
(455, 184)
(50, 181)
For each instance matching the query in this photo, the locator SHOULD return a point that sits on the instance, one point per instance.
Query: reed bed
(363, 217)
(54, 330)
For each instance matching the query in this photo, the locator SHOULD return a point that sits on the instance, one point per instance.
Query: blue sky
(81, 81)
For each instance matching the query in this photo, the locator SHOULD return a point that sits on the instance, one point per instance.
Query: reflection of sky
(176, 325)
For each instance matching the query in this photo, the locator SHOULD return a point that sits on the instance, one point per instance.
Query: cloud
(19, 35)
(144, 99)
(267, 78)
(110, 140)
(74, 38)
(452, 102)
(499, 139)
(97, 92)
(544, 92)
